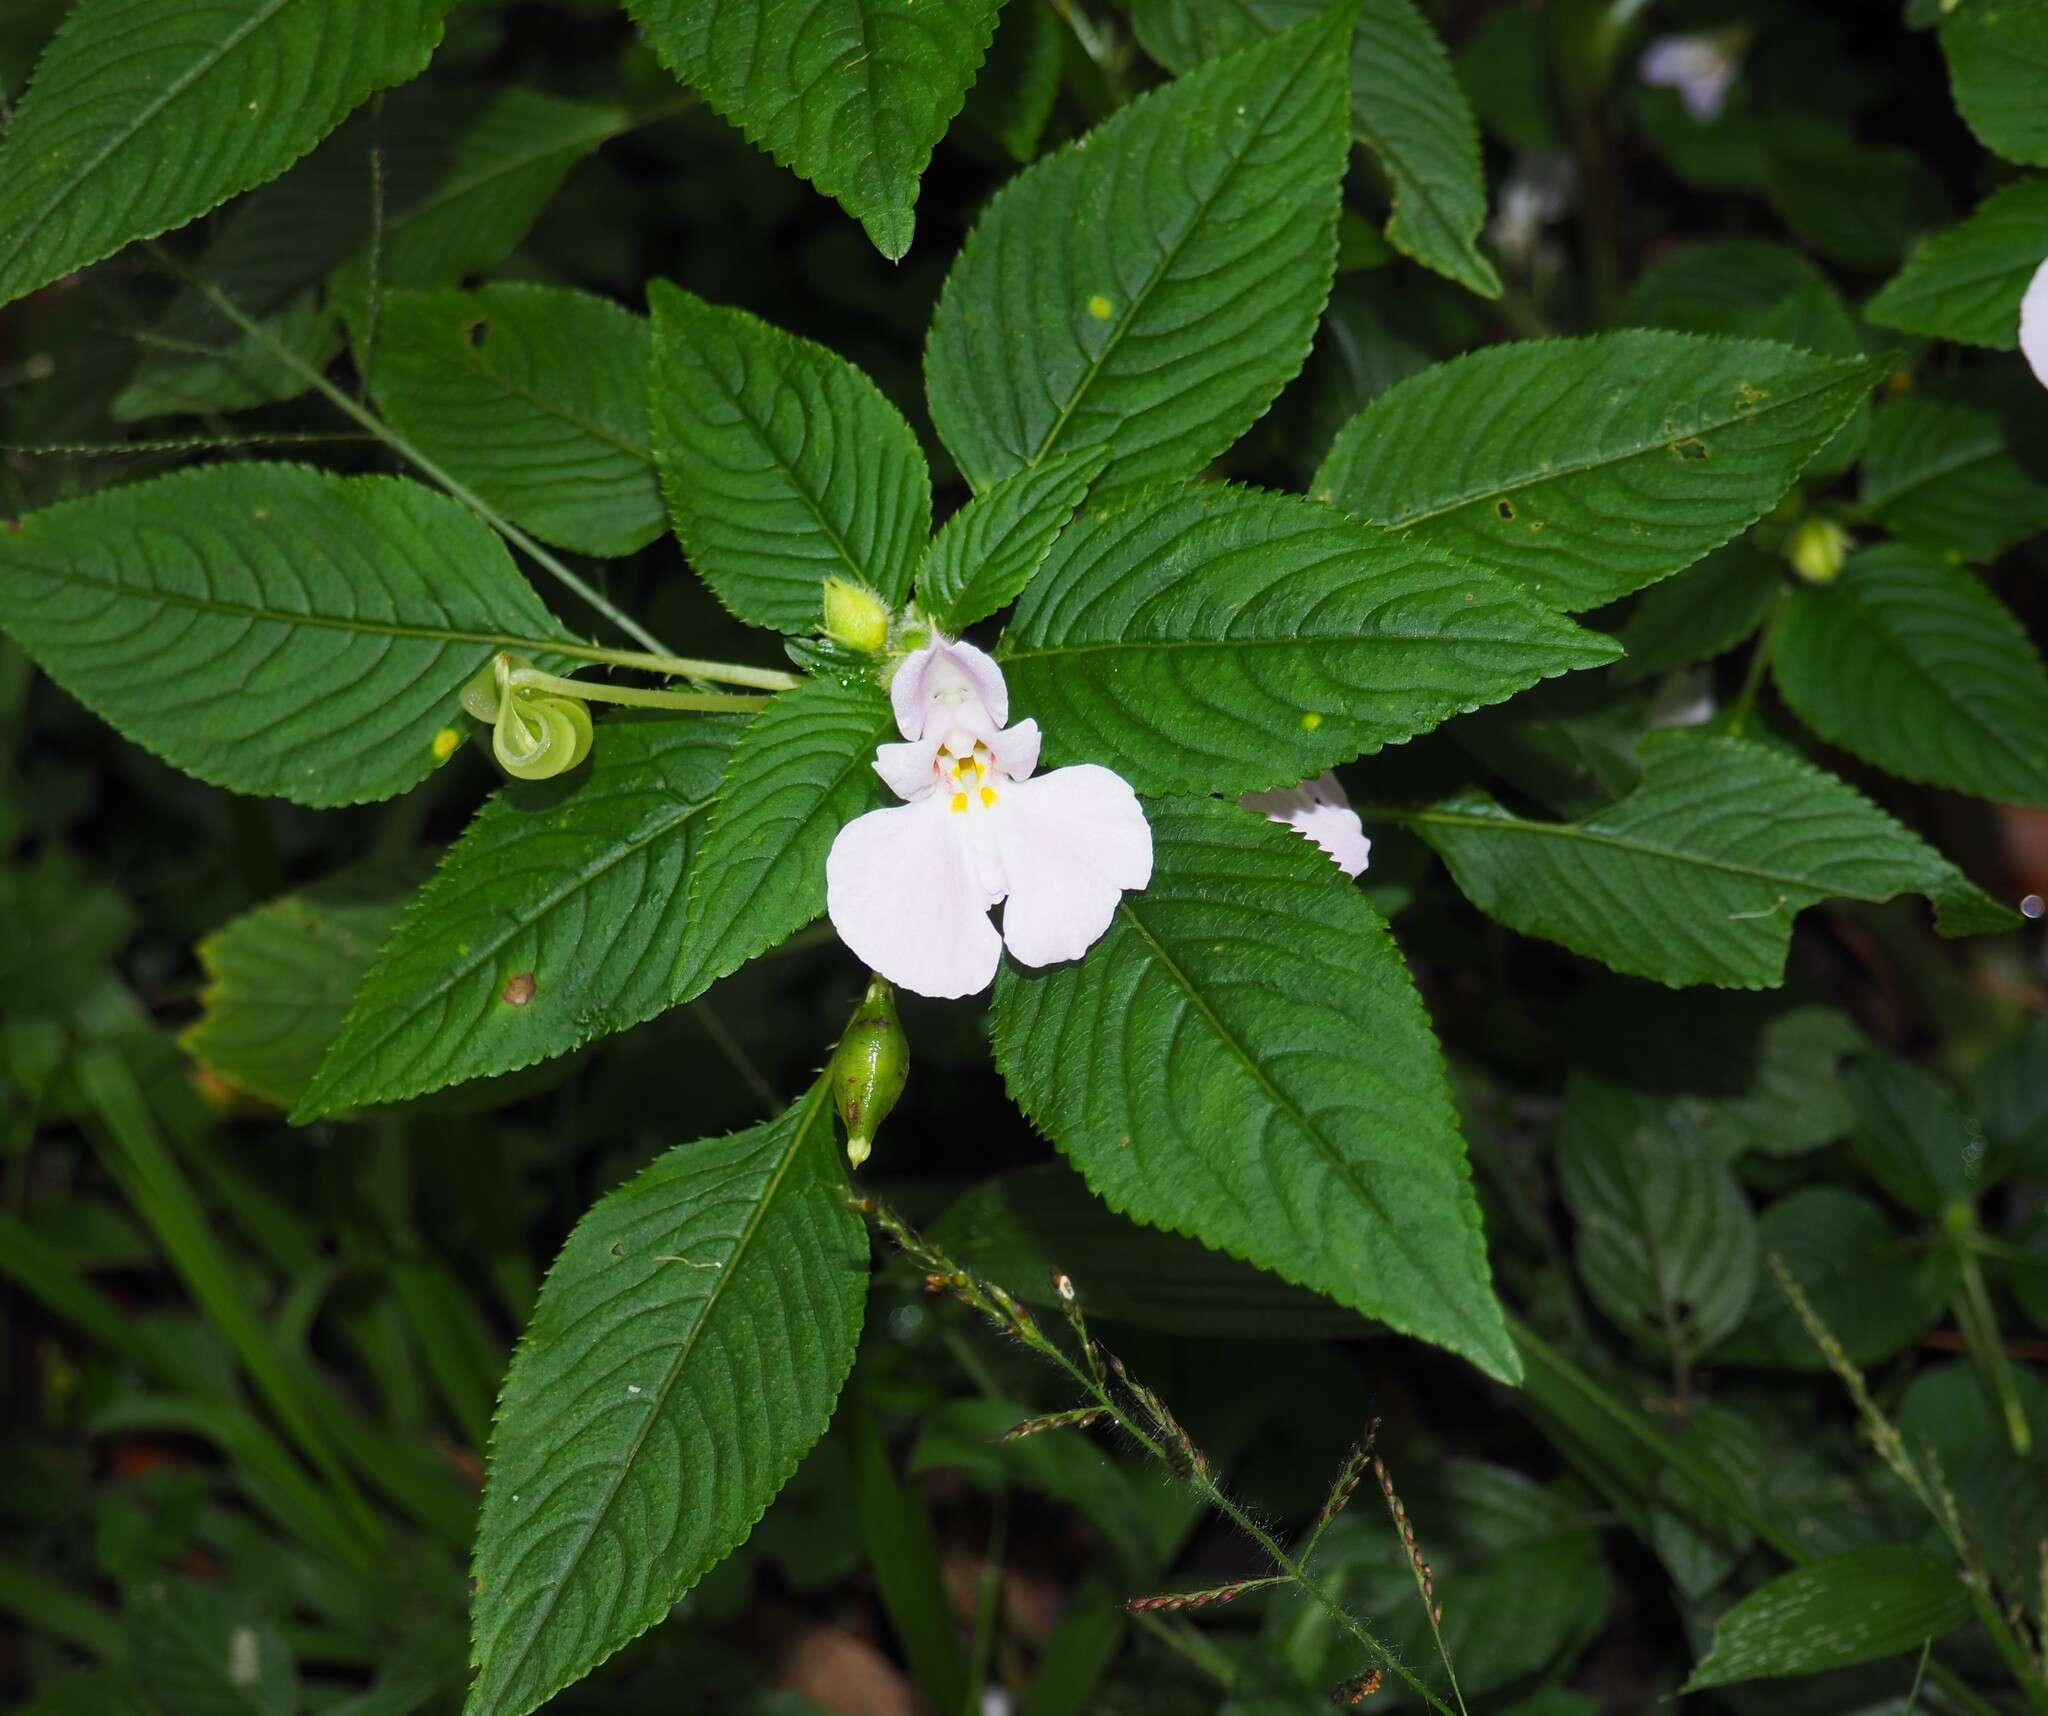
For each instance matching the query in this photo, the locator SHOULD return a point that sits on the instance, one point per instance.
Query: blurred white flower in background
(1701, 68)
(1319, 810)
(2034, 325)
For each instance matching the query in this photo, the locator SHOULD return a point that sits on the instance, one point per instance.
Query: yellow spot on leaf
(445, 742)
(1100, 308)
(1311, 721)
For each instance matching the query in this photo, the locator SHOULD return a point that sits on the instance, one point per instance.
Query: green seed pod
(869, 1069)
(539, 737)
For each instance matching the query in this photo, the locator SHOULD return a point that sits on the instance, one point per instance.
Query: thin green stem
(683, 667)
(1753, 680)
(1981, 1334)
(2010, 1652)
(596, 691)
(987, 1603)
(318, 381)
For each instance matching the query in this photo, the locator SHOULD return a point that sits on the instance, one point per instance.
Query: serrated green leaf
(534, 397)
(146, 115)
(204, 1651)
(1997, 58)
(463, 177)
(1869, 1285)
(852, 95)
(802, 770)
(1697, 875)
(1154, 285)
(1405, 106)
(986, 553)
(1665, 1242)
(577, 885)
(1832, 1613)
(1226, 639)
(270, 628)
(1943, 475)
(1916, 667)
(783, 464)
(1243, 1058)
(688, 1347)
(1913, 1136)
(279, 979)
(1966, 283)
(1588, 468)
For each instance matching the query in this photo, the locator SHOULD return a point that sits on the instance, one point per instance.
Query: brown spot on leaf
(519, 989)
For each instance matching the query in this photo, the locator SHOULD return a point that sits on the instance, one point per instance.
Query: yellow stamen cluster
(974, 769)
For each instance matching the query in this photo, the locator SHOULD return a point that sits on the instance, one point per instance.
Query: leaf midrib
(1486, 1339)
(1411, 816)
(469, 364)
(277, 616)
(1891, 644)
(1166, 260)
(1294, 640)
(799, 1137)
(671, 820)
(121, 139)
(1597, 461)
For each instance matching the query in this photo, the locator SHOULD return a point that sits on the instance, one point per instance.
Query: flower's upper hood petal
(957, 676)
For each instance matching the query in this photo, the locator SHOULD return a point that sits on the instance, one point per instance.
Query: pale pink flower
(1318, 809)
(2034, 325)
(909, 889)
(1701, 68)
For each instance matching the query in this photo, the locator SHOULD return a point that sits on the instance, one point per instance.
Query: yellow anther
(988, 795)
(959, 803)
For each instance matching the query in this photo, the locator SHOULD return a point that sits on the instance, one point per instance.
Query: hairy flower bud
(1818, 548)
(855, 616)
(869, 1068)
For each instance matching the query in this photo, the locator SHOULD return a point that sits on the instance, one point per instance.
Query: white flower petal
(901, 890)
(1017, 750)
(1700, 68)
(2034, 325)
(939, 672)
(908, 768)
(1320, 810)
(1071, 841)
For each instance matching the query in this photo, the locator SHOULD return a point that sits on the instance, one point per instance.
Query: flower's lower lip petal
(901, 892)
(1072, 841)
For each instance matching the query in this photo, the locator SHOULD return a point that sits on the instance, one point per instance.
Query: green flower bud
(855, 616)
(1818, 548)
(869, 1069)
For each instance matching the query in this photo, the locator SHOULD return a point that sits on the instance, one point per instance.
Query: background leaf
(1916, 667)
(1243, 1058)
(1550, 461)
(802, 770)
(1834, 1612)
(850, 94)
(1997, 56)
(141, 117)
(988, 551)
(1405, 107)
(577, 885)
(782, 462)
(1664, 1240)
(1913, 1136)
(1227, 639)
(1965, 284)
(686, 1352)
(1942, 474)
(279, 979)
(1154, 285)
(534, 397)
(1697, 875)
(463, 178)
(270, 628)
(203, 1651)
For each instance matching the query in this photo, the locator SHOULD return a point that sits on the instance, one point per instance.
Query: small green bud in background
(1818, 548)
(855, 616)
(869, 1069)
